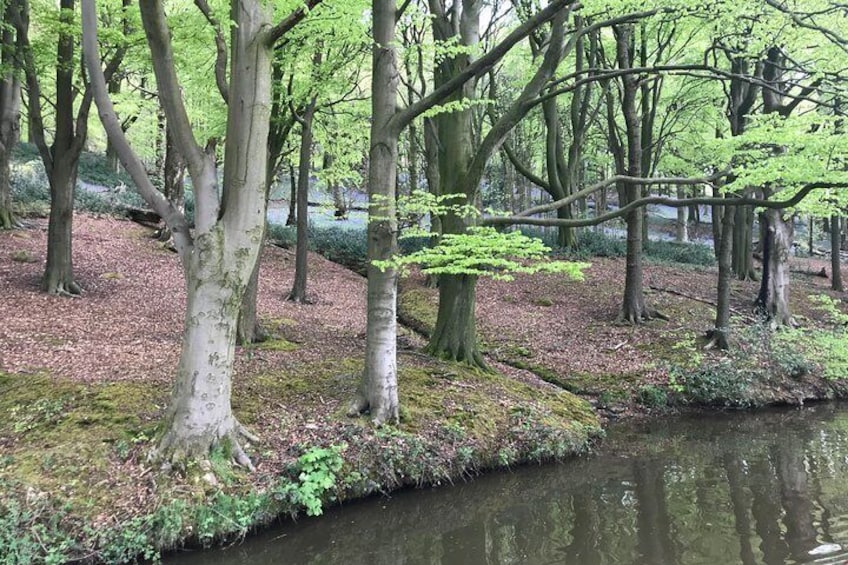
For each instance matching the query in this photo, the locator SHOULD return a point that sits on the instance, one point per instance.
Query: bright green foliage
(480, 251)
(483, 251)
(317, 473)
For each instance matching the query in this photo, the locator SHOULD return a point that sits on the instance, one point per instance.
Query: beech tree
(378, 389)
(219, 255)
(11, 52)
(61, 156)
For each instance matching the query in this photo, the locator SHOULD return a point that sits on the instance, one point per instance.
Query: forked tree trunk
(249, 330)
(835, 259)
(773, 299)
(59, 273)
(455, 335)
(378, 390)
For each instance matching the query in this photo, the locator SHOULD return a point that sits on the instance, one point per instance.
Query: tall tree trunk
(719, 335)
(633, 307)
(10, 116)
(298, 292)
(378, 389)
(112, 162)
(835, 259)
(682, 226)
(59, 274)
(455, 335)
(291, 220)
(773, 299)
(62, 172)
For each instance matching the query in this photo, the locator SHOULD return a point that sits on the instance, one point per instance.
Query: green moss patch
(417, 309)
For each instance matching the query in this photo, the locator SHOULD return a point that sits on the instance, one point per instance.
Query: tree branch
(291, 21)
(220, 50)
(479, 67)
(173, 218)
(671, 202)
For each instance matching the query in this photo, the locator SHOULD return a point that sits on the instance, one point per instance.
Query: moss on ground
(417, 309)
(73, 451)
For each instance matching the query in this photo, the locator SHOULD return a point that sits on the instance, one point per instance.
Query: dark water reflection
(740, 488)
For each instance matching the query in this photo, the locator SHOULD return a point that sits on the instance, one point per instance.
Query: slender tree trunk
(292, 218)
(112, 162)
(835, 259)
(682, 231)
(298, 292)
(378, 390)
(719, 336)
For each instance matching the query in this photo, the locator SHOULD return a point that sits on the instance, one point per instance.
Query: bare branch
(482, 65)
(664, 201)
(173, 218)
(220, 49)
(291, 21)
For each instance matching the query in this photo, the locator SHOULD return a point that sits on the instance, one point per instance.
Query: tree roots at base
(173, 452)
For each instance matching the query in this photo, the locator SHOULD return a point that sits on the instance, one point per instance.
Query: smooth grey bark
(378, 390)
(773, 298)
(298, 292)
(681, 233)
(219, 258)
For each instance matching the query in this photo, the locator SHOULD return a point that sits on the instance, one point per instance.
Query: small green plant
(609, 398)
(652, 396)
(43, 412)
(316, 472)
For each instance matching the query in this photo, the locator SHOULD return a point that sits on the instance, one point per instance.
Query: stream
(766, 487)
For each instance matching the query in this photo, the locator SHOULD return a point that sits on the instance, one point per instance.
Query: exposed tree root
(638, 318)
(716, 340)
(67, 289)
(360, 405)
(174, 451)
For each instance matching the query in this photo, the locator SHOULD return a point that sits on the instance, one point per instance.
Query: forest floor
(84, 382)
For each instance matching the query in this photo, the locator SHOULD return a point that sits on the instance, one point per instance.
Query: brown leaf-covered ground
(84, 381)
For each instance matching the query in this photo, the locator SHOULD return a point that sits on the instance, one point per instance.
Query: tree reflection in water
(769, 487)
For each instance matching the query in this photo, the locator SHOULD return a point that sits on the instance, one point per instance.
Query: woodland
(537, 216)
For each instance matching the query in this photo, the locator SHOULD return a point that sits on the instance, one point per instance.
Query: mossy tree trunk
(10, 114)
(835, 259)
(221, 254)
(719, 335)
(455, 335)
(773, 299)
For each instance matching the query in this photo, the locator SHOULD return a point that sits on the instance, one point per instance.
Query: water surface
(770, 487)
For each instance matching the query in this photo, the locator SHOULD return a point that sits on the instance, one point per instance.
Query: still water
(768, 487)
